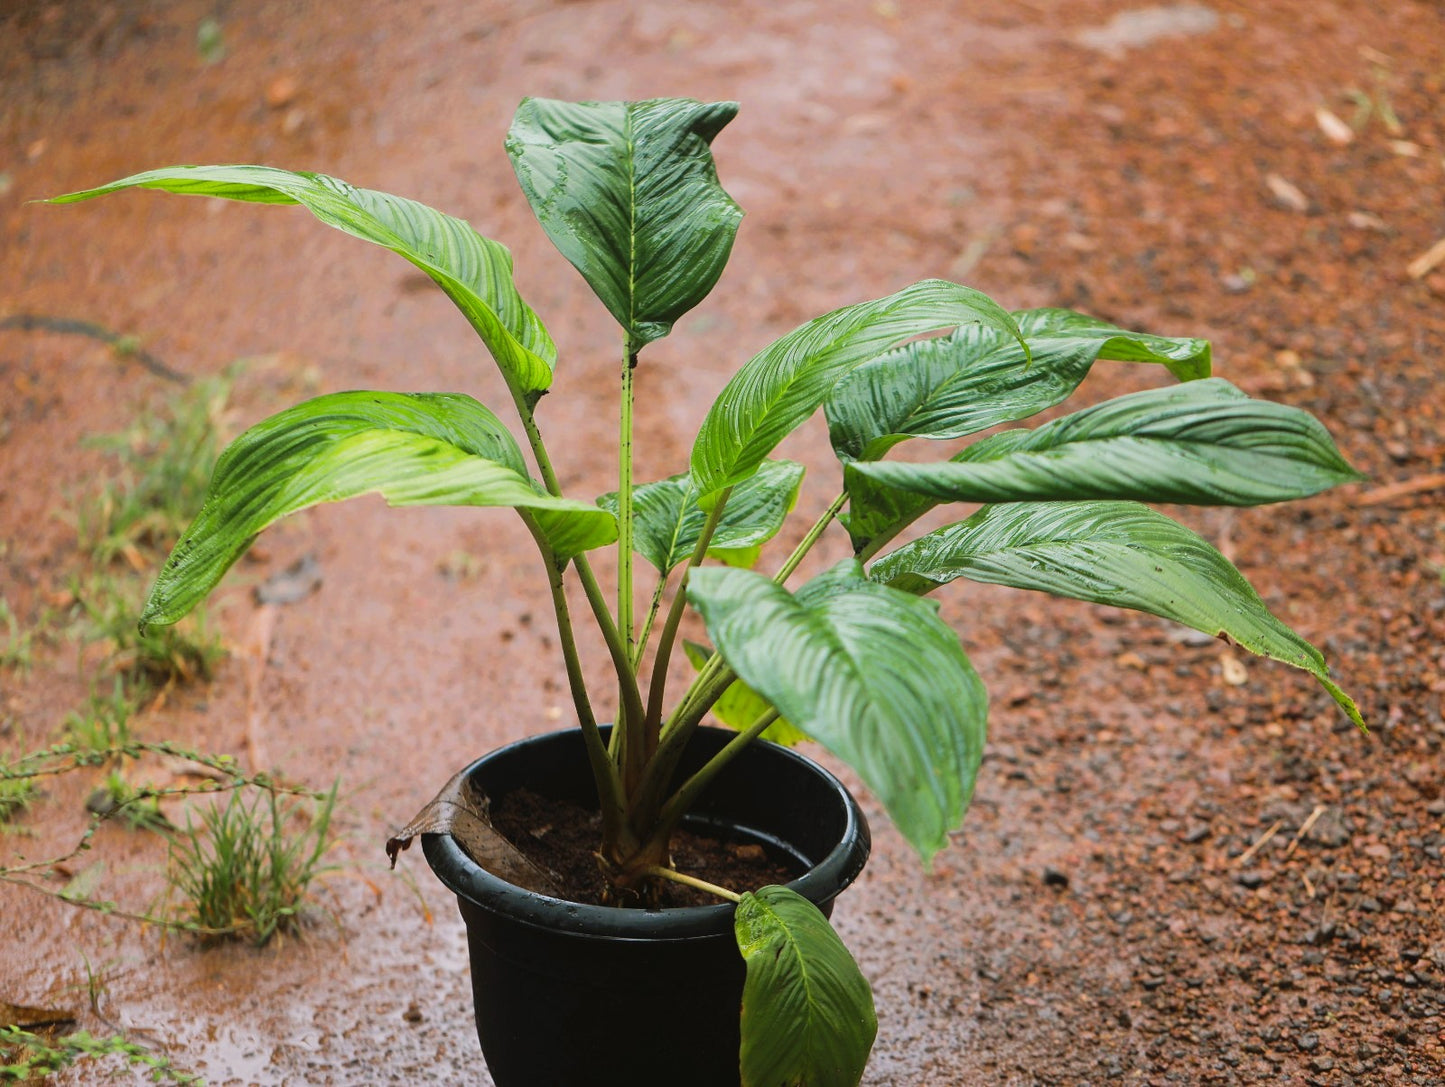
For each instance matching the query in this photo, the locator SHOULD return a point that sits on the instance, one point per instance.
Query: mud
(1100, 917)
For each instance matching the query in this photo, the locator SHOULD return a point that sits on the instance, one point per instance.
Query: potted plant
(855, 658)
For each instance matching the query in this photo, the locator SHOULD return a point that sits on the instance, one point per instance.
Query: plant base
(567, 994)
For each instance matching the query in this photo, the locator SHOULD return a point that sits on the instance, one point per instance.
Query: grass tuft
(246, 871)
(165, 459)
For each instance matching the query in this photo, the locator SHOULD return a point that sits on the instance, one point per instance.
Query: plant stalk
(652, 611)
(692, 881)
(631, 711)
(811, 538)
(624, 504)
(609, 787)
(657, 689)
(687, 793)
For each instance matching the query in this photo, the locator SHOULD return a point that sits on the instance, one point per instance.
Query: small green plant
(854, 658)
(103, 725)
(30, 1058)
(18, 641)
(163, 460)
(138, 809)
(147, 657)
(16, 795)
(246, 870)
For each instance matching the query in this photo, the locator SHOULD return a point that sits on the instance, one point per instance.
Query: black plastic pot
(590, 996)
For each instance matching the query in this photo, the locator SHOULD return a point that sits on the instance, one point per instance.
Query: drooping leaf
(740, 705)
(629, 193)
(475, 272)
(807, 1017)
(1118, 553)
(668, 521)
(877, 513)
(1202, 443)
(978, 377)
(876, 677)
(780, 387)
(413, 449)
(462, 811)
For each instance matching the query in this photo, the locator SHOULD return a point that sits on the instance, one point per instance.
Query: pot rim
(820, 884)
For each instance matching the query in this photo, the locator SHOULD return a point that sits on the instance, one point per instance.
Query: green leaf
(780, 387)
(1203, 443)
(875, 676)
(668, 521)
(978, 378)
(1118, 553)
(807, 1018)
(629, 193)
(740, 705)
(413, 449)
(475, 272)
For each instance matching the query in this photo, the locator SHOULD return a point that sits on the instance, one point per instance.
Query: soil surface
(562, 839)
(1181, 866)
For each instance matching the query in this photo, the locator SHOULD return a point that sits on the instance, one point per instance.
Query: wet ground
(1105, 915)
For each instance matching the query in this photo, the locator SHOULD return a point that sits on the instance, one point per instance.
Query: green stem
(811, 538)
(604, 773)
(652, 611)
(624, 504)
(693, 881)
(657, 689)
(708, 687)
(687, 793)
(631, 711)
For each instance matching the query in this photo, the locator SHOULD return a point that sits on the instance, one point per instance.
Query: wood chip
(1233, 670)
(1287, 193)
(1335, 130)
(1248, 854)
(1304, 829)
(1406, 487)
(1426, 262)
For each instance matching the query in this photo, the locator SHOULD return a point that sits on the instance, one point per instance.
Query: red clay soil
(1176, 870)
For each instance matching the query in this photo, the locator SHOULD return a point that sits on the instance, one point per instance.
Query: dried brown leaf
(18, 1015)
(459, 810)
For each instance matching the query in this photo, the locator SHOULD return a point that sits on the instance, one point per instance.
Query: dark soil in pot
(561, 837)
(570, 994)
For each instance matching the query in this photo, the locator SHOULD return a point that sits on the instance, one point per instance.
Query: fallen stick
(1304, 829)
(1248, 854)
(1422, 265)
(1420, 484)
(125, 347)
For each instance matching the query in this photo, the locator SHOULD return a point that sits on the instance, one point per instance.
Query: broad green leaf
(978, 378)
(780, 387)
(807, 1017)
(668, 521)
(1202, 443)
(475, 272)
(1186, 358)
(740, 705)
(875, 676)
(629, 193)
(413, 449)
(1118, 553)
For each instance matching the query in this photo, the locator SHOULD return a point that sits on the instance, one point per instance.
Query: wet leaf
(459, 810)
(628, 193)
(807, 1017)
(27, 1018)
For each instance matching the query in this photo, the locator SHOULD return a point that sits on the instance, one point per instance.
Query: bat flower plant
(856, 659)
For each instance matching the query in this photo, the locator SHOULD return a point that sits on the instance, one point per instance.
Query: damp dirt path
(1176, 869)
